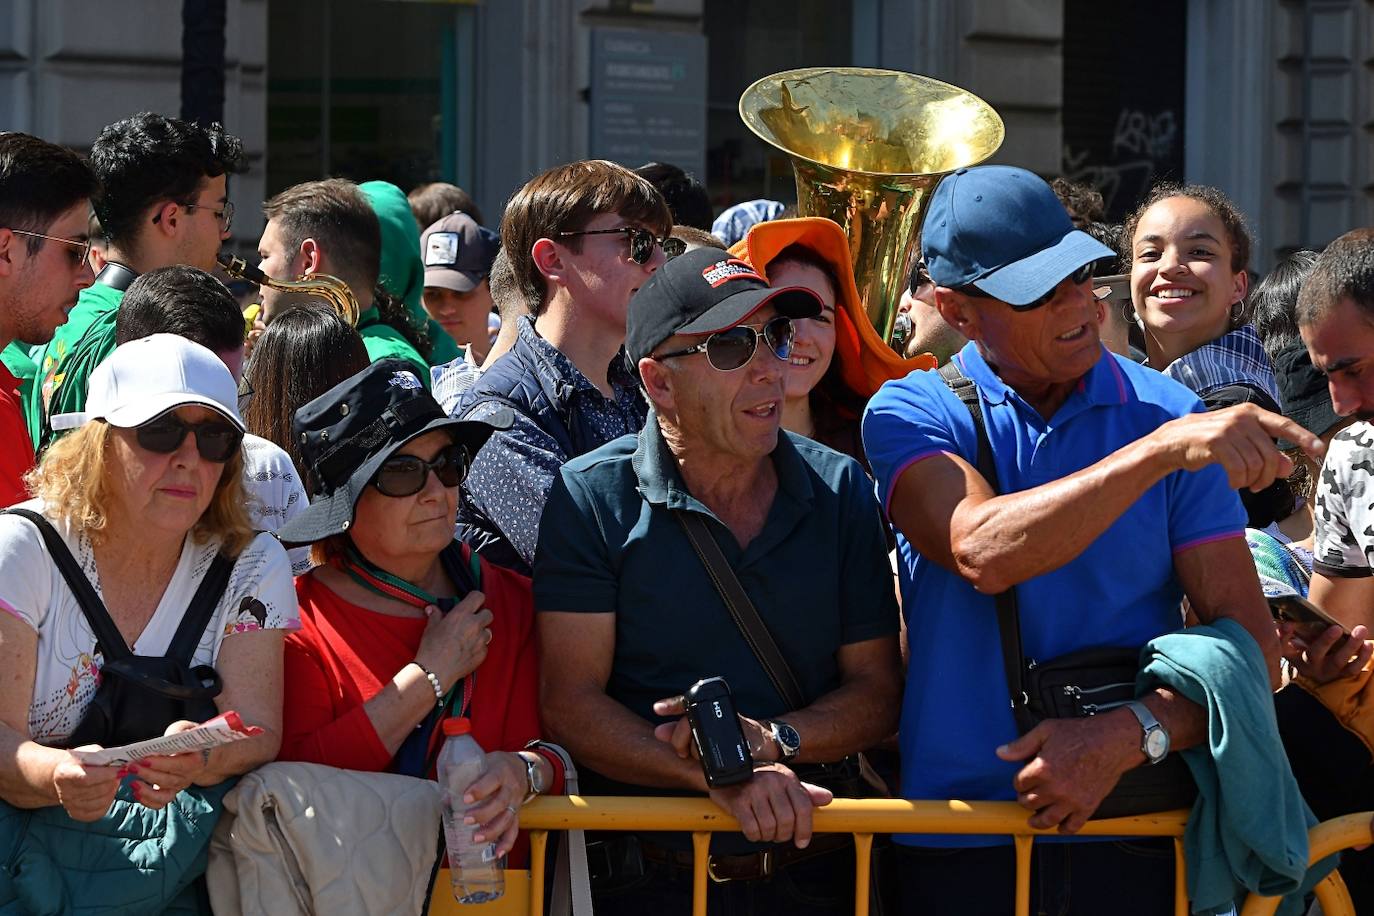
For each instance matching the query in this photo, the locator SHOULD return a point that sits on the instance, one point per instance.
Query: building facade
(1271, 100)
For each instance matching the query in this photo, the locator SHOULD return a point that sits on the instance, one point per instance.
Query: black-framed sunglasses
(732, 348)
(406, 475)
(1081, 275)
(216, 440)
(642, 242)
(82, 246)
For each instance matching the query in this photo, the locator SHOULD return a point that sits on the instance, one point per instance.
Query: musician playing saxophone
(328, 227)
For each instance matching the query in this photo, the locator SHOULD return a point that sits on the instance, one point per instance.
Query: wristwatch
(786, 738)
(534, 776)
(1154, 744)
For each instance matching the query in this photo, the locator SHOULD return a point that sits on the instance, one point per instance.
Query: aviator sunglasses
(642, 242)
(1081, 275)
(216, 440)
(734, 347)
(405, 475)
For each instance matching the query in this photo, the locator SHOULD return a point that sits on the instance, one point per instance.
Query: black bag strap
(201, 609)
(107, 637)
(1008, 612)
(742, 610)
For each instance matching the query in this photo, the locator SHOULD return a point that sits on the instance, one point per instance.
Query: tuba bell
(330, 288)
(867, 147)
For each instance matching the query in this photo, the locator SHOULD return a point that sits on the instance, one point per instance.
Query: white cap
(145, 378)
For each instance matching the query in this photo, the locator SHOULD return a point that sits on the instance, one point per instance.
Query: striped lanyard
(380, 582)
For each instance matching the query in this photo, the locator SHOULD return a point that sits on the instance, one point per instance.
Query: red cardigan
(343, 655)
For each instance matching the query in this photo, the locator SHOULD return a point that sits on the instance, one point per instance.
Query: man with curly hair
(164, 200)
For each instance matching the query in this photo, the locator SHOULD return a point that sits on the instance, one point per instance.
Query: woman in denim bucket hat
(401, 625)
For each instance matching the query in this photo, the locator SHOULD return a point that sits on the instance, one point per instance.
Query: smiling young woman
(1189, 252)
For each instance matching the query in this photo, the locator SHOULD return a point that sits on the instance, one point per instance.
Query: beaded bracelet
(433, 682)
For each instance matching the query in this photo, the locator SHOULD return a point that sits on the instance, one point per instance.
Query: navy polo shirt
(1121, 591)
(818, 572)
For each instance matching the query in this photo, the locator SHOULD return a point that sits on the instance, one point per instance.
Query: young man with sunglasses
(630, 617)
(45, 193)
(581, 238)
(1096, 459)
(163, 200)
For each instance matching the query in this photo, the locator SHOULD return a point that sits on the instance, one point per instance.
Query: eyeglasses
(642, 242)
(225, 215)
(216, 440)
(406, 475)
(732, 348)
(1081, 275)
(83, 246)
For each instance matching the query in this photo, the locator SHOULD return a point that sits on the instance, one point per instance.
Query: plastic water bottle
(474, 868)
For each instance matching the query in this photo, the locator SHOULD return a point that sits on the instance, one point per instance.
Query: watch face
(788, 738)
(1156, 744)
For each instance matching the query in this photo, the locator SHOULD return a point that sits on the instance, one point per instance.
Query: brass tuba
(867, 147)
(330, 288)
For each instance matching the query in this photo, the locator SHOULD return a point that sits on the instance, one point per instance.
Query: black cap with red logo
(701, 292)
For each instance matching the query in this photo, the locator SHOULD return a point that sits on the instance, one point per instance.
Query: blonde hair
(74, 483)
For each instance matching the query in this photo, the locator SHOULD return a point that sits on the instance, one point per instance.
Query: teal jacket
(132, 862)
(1248, 829)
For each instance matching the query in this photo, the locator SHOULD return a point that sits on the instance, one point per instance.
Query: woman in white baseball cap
(137, 599)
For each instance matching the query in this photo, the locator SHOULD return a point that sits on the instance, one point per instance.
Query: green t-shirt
(382, 340)
(16, 359)
(65, 364)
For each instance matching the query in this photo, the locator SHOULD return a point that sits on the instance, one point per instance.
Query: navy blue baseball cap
(1002, 230)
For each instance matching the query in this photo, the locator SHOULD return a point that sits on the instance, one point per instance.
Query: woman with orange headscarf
(838, 360)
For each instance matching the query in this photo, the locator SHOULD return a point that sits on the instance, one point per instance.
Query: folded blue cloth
(1248, 829)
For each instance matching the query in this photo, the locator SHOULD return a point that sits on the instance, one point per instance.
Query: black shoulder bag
(140, 695)
(851, 777)
(1081, 683)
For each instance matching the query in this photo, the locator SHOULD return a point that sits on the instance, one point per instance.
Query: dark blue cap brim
(1030, 278)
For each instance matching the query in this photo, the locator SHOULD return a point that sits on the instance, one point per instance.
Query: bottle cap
(457, 725)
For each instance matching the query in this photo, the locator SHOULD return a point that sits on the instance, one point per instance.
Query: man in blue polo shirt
(629, 616)
(1119, 502)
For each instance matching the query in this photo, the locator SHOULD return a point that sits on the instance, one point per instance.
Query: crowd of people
(560, 469)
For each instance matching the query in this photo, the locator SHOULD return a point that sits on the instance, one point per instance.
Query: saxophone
(330, 288)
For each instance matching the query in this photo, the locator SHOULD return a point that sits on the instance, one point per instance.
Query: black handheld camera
(724, 752)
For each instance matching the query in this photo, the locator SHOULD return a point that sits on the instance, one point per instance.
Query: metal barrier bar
(863, 863)
(865, 817)
(539, 844)
(1023, 872)
(1324, 839)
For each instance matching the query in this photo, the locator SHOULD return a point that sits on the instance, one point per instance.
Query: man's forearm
(1006, 540)
(854, 717)
(606, 737)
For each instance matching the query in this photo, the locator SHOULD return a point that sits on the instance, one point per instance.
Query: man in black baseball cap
(630, 617)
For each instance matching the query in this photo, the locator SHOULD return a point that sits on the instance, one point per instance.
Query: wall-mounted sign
(648, 98)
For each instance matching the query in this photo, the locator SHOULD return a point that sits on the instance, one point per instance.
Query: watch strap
(1148, 723)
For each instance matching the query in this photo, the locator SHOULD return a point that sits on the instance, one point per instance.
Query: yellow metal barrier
(864, 818)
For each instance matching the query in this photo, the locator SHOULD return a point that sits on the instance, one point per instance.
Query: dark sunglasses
(1081, 275)
(642, 242)
(734, 347)
(216, 440)
(406, 475)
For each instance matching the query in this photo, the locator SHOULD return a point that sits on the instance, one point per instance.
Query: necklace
(380, 582)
